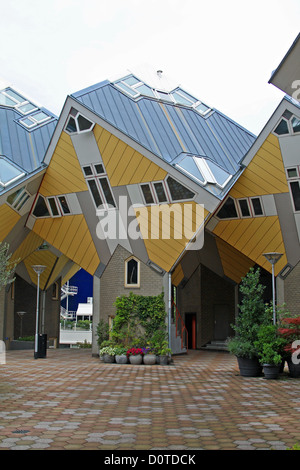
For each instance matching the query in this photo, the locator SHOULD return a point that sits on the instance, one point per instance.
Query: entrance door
(190, 323)
(221, 322)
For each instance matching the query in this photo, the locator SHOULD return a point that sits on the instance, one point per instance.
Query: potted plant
(108, 353)
(149, 357)
(290, 331)
(120, 355)
(164, 353)
(251, 315)
(269, 346)
(135, 355)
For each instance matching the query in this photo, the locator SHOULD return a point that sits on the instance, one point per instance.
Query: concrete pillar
(96, 314)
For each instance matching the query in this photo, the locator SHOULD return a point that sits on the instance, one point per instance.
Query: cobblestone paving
(71, 400)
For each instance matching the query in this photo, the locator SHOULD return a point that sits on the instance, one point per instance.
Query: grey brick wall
(112, 282)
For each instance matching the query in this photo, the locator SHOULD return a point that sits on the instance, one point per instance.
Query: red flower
(293, 321)
(134, 352)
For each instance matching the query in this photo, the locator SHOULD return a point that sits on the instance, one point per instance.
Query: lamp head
(39, 268)
(272, 257)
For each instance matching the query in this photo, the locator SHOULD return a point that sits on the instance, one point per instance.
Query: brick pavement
(71, 400)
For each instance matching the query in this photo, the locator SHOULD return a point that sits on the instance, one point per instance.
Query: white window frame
(138, 284)
(59, 207)
(293, 179)
(75, 116)
(19, 201)
(18, 104)
(34, 121)
(169, 199)
(238, 208)
(95, 176)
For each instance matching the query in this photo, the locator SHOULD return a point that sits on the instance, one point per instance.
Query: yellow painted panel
(235, 264)
(8, 219)
(123, 164)
(30, 244)
(43, 257)
(253, 237)
(177, 275)
(59, 266)
(265, 173)
(64, 174)
(165, 239)
(71, 236)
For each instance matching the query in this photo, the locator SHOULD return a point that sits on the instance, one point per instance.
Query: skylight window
(13, 99)
(134, 88)
(8, 173)
(35, 119)
(184, 98)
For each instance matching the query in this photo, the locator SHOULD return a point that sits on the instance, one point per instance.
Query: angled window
(40, 208)
(64, 205)
(99, 186)
(18, 199)
(94, 190)
(77, 123)
(53, 207)
(244, 208)
(296, 124)
(294, 184)
(160, 191)
(228, 210)
(147, 193)
(282, 128)
(257, 206)
(295, 191)
(9, 173)
(178, 191)
(132, 272)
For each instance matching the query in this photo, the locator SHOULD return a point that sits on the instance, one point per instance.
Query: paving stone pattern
(71, 400)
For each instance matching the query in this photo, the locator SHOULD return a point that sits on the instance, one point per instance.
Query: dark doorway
(221, 322)
(190, 323)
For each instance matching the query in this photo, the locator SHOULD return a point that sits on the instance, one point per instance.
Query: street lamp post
(39, 269)
(273, 257)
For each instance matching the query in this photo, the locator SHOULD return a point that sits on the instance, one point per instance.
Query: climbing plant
(137, 316)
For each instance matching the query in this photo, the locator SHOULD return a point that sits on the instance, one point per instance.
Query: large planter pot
(121, 359)
(294, 369)
(271, 371)
(149, 359)
(108, 359)
(249, 367)
(164, 360)
(136, 360)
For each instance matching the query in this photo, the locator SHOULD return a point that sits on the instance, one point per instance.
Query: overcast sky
(221, 51)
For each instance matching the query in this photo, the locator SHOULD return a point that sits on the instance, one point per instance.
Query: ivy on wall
(138, 315)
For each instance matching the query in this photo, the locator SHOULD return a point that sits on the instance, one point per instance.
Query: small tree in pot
(251, 315)
(270, 348)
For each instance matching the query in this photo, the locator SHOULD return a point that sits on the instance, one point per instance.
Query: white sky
(221, 51)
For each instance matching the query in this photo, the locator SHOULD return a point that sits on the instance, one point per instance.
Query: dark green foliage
(137, 318)
(252, 313)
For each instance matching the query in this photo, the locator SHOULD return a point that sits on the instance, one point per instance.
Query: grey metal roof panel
(24, 147)
(169, 129)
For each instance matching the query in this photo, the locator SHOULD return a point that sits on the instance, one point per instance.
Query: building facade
(148, 189)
